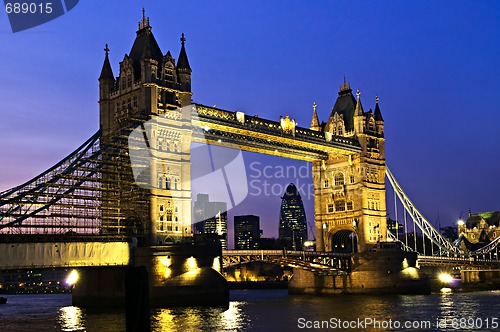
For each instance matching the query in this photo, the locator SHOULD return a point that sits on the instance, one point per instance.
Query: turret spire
(183, 62)
(377, 113)
(144, 23)
(315, 119)
(106, 72)
(359, 108)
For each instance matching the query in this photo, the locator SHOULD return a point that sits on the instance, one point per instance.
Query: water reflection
(200, 319)
(71, 319)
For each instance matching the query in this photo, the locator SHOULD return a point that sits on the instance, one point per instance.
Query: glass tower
(293, 224)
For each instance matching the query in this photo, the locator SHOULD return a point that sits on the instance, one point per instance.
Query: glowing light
(166, 261)
(168, 272)
(72, 278)
(405, 264)
(309, 243)
(410, 272)
(445, 278)
(206, 128)
(460, 222)
(191, 263)
(445, 290)
(216, 264)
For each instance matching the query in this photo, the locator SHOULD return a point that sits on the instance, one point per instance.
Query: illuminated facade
(210, 218)
(480, 229)
(293, 224)
(346, 152)
(349, 195)
(246, 232)
(150, 85)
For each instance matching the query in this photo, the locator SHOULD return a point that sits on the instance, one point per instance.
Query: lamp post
(325, 232)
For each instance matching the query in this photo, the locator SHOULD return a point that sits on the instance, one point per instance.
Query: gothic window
(129, 80)
(329, 208)
(175, 185)
(160, 182)
(135, 102)
(340, 205)
(325, 184)
(339, 179)
(162, 207)
(351, 179)
(340, 130)
(169, 217)
(167, 183)
(371, 124)
(349, 206)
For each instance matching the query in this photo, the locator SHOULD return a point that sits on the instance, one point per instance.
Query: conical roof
(106, 71)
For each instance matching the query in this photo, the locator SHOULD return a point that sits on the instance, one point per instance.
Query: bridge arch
(343, 240)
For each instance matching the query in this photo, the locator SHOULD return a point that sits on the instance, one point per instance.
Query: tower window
(339, 179)
(349, 206)
(340, 206)
(329, 208)
(325, 184)
(167, 183)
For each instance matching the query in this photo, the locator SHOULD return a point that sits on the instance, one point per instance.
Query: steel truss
(90, 192)
(428, 229)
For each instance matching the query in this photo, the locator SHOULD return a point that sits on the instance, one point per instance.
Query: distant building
(480, 229)
(246, 232)
(210, 218)
(293, 224)
(395, 228)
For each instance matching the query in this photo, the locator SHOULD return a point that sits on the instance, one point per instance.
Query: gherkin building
(293, 224)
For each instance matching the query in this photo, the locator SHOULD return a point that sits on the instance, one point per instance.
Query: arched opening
(344, 241)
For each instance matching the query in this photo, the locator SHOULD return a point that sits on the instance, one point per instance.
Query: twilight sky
(434, 65)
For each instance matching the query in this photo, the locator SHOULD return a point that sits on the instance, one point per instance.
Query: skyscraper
(210, 218)
(246, 232)
(293, 224)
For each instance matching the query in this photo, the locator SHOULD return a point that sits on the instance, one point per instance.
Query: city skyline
(436, 99)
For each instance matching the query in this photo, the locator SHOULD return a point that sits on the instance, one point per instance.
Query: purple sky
(434, 65)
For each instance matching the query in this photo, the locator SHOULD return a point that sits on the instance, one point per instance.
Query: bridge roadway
(48, 251)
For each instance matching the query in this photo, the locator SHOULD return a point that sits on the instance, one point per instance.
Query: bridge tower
(349, 194)
(150, 87)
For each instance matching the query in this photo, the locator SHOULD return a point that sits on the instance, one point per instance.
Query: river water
(271, 310)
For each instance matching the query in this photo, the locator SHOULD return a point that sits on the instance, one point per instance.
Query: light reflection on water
(256, 310)
(200, 319)
(71, 319)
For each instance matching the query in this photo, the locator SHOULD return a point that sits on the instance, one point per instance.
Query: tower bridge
(129, 185)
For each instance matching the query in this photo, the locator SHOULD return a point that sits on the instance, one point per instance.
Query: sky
(433, 64)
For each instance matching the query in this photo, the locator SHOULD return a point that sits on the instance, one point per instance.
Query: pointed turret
(183, 68)
(378, 114)
(106, 72)
(342, 111)
(379, 120)
(183, 62)
(106, 86)
(106, 79)
(145, 46)
(315, 120)
(359, 115)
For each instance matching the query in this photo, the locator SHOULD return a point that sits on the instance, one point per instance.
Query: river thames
(271, 310)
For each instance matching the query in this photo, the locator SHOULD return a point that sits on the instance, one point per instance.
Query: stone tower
(150, 94)
(349, 196)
